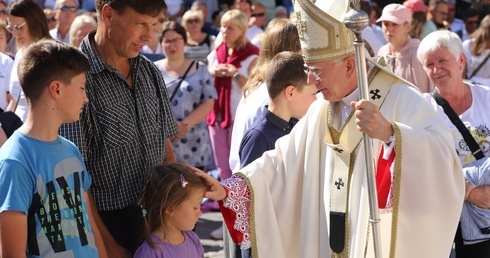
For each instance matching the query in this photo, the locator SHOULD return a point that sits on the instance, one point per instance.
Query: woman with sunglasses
(28, 24)
(199, 44)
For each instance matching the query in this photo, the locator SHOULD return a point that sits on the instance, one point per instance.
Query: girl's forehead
(198, 193)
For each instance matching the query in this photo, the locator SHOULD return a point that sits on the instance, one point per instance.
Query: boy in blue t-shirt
(290, 97)
(44, 206)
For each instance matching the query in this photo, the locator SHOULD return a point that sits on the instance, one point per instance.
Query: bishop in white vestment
(308, 197)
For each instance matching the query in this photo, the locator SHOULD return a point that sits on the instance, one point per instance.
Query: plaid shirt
(122, 131)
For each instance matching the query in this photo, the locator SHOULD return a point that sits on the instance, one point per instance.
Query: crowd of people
(126, 105)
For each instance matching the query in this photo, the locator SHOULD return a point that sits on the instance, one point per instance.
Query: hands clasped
(225, 70)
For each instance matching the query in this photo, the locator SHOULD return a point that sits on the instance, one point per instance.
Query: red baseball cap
(415, 6)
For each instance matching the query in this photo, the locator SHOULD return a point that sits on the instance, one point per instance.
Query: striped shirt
(200, 52)
(122, 131)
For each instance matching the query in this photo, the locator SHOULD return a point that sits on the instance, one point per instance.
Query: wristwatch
(237, 76)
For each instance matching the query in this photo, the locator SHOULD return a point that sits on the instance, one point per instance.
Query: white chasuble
(291, 185)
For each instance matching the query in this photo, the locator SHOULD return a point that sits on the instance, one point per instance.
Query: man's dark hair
(286, 68)
(471, 12)
(48, 60)
(147, 7)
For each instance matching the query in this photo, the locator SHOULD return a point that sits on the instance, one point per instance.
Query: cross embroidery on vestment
(339, 183)
(375, 94)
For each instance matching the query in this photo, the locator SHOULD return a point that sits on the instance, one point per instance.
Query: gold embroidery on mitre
(326, 38)
(300, 25)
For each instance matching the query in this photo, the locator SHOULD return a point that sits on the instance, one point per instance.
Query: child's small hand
(215, 190)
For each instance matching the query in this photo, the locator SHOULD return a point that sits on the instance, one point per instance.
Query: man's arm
(477, 189)
(13, 234)
(111, 246)
(479, 196)
(169, 153)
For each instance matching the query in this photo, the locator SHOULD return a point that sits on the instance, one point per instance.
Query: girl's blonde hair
(280, 35)
(238, 19)
(481, 36)
(167, 186)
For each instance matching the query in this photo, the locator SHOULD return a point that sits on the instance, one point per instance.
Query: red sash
(223, 84)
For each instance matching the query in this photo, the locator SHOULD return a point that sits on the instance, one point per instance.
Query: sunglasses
(193, 21)
(69, 8)
(258, 14)
(13, 28)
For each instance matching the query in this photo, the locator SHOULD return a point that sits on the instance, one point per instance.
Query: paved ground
(214, 248)
(207, 223)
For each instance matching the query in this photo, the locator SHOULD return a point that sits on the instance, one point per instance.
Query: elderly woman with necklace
(441, 54)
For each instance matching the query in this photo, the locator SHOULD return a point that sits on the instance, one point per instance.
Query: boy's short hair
(48, 60)
(286, 68)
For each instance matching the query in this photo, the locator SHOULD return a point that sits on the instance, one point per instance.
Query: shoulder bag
(181, 80)
(468, 138)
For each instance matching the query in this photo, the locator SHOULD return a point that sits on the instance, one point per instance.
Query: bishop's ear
(350, 65)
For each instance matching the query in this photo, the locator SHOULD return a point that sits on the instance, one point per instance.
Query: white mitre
(322, 33)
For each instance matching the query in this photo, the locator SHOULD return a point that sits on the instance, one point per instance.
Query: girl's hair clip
(144, 212)
(183, 182)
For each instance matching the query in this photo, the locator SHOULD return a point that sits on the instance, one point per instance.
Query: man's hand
(370, 121)
(479, 196)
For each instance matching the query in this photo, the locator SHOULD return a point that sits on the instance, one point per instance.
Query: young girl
(170, 201)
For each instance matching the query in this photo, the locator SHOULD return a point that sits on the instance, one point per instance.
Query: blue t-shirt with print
(47, 181)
